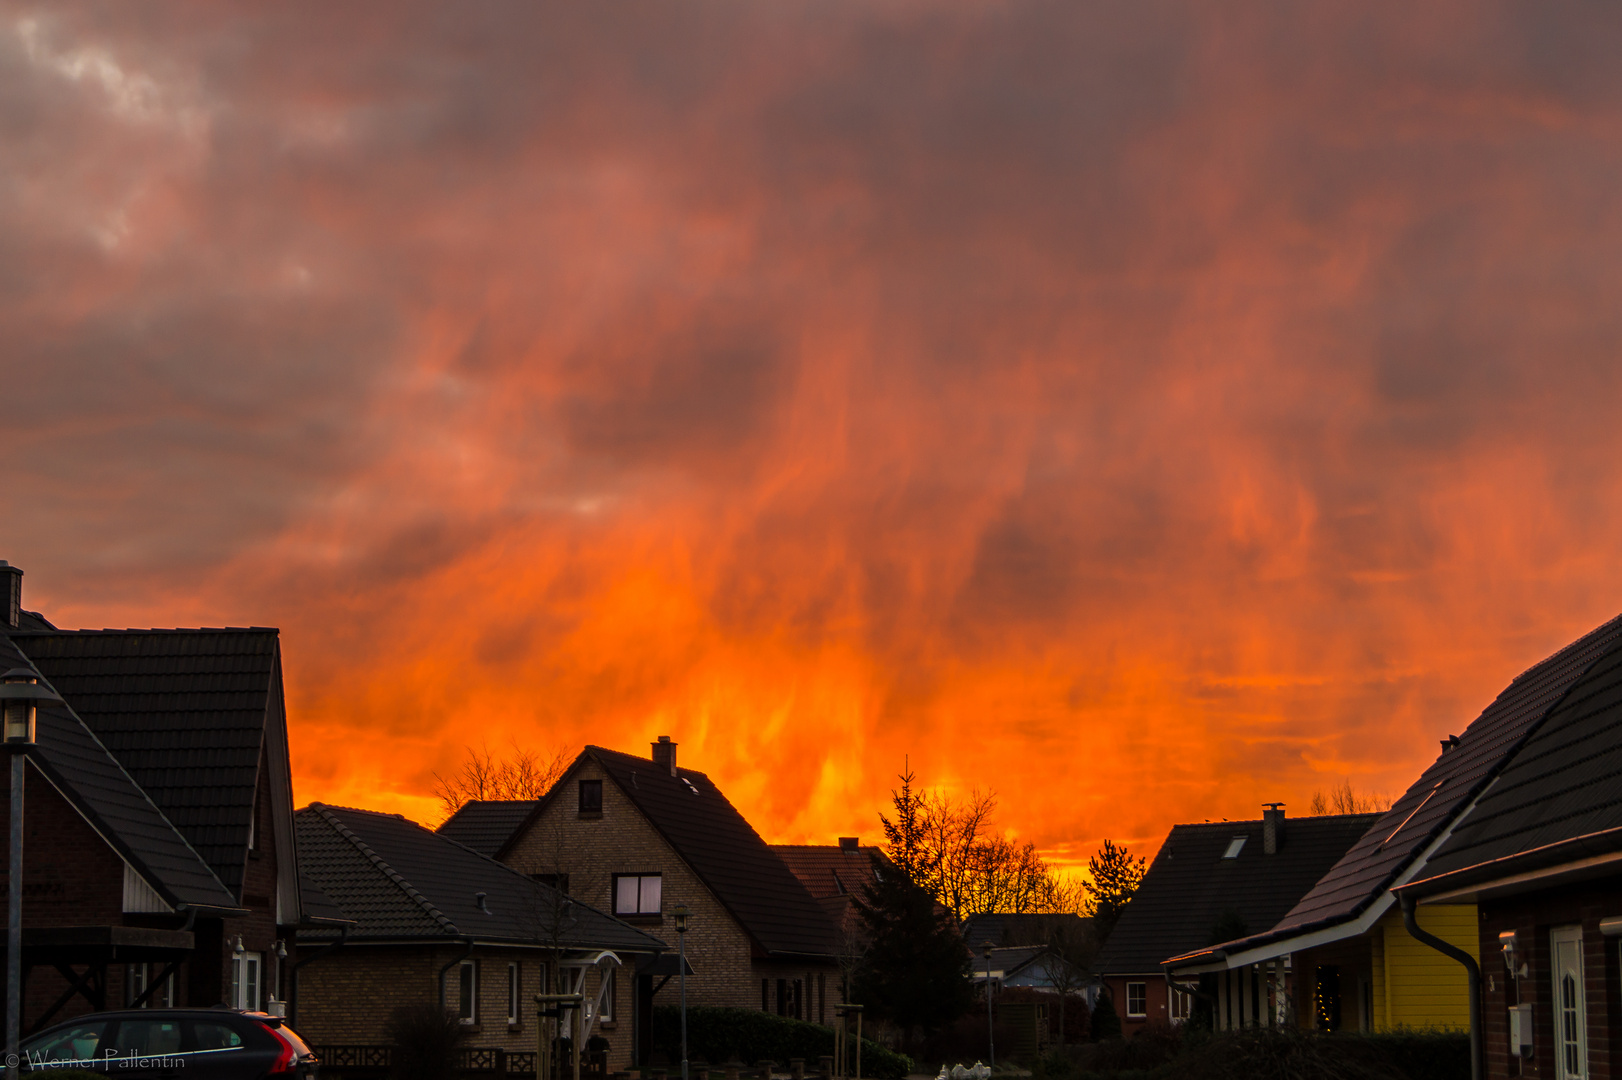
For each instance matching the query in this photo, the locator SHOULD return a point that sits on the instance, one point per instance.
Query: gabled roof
(1191, 886)
(1557, 801)
(103, 792)
(486, 824)
(1434, 801)
(1021, 928)
(726, 853)
(828, 869)
(400, 882)
(186, 712)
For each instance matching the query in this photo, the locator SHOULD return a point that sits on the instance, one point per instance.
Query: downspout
(1453, 952)
(442, 971)
(292, 990)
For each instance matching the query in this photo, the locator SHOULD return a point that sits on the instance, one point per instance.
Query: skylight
(1233, 847)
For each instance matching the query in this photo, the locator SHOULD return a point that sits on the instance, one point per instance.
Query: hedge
(716, 1035)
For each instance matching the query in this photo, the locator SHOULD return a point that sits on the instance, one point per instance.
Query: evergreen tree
(915, 972)
(1113, 876)
(1106, 1024)
(905, 838)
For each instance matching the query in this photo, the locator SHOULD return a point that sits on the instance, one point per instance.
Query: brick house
(1356, 965)
(639, 836)
(834, 875)
(1210, 881)
(435, 922)
(1539, 856)
(159, 864)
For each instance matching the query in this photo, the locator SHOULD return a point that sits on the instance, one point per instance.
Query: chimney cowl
(11, 594)
(664, 754)
(1272, 827)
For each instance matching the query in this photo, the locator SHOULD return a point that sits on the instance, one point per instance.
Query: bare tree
(518, 774)
(1345, 799)
(952, 847)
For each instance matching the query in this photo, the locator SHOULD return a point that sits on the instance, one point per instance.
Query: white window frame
(514, 992)
(137, 977)
(467, 992)
(1570, 1004)
(1143, 1000)
(644, 905)
(247, 982)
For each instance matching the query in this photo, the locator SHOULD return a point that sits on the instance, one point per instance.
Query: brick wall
(1533, 916)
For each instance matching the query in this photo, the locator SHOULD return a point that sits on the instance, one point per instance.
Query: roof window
(1234, 847)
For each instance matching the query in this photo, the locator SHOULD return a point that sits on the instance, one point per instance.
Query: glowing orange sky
(1145, 411)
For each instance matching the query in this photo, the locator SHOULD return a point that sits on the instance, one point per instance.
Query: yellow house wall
(1414, 985)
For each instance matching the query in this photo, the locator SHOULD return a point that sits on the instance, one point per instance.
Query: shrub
(426, 1039)
(719, 1034)
(1105, 1024)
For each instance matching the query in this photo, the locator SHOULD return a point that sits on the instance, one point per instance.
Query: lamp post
(20, 693)
(991, 1029)
(681, 912)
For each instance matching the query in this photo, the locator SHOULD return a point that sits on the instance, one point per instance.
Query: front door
(1570, 1019)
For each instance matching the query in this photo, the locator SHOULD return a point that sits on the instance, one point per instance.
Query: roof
(400, 882)
(1426, 809)
(827, 869)
(1561, 788)
(185, 711)
(1006, 962)
(108, 797)
(1190, 887)
(1020, 928)
(726, 853)
(486, 824)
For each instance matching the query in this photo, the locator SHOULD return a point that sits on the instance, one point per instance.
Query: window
(467, 998)
(137, 977)
(1137, 999)
(245, 969)
(607, 1015)
(513, 985)
(560, 882)
(1570, 1021)
(147, 1038)
(1182, 1005)
(81, 1042)
(212, 1036)
(637, 894)
(765, 996)
(591, 797)
(1234, 847)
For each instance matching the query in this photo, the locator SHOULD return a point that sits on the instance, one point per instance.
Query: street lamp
(20, 693)
(991, 1030)
(680, 911)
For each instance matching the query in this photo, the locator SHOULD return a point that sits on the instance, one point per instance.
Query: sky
(1143, 411)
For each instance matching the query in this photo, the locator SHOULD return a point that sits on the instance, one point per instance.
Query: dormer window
(1235, 846)
(591, 798)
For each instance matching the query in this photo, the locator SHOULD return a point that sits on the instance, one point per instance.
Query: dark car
(186, 1044)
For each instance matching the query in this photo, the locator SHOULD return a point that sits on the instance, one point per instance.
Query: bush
(1105, 1024)
(426, 1039)
(718, 1034)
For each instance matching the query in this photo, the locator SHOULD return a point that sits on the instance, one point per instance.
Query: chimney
(664, 754)
(11, 598)
(1272, 827)
(849, 844)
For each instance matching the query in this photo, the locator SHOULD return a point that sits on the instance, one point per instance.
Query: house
(640, 836)
(1210, 882)
(159, 863)
(1539, 856)
(434, 922)
(1356, 965)
(835, 875)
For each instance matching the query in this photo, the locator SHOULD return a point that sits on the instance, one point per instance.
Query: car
(186, 1044)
